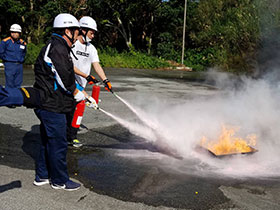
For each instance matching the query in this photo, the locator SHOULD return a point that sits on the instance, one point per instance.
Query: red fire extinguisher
(95, 92)
(80, 108)
(78, 114)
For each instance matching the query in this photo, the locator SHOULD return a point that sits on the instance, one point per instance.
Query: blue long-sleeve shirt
(12, 51)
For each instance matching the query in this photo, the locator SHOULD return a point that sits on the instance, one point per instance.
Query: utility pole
(184, 31)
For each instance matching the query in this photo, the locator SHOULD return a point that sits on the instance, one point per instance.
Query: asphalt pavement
(109, 180)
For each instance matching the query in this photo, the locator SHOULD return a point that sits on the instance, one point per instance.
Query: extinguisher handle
(90, 102)
(91, 79)
(98, 83)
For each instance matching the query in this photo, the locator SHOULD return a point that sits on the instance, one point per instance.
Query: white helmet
(15, 28)
(88, 22)
(65, 20)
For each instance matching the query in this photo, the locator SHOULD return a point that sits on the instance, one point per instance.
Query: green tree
(230, 28)
(223, 33)
(168, 29)
(11, 12)
(128, 23)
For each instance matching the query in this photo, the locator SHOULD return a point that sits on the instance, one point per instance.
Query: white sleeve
(94, 55)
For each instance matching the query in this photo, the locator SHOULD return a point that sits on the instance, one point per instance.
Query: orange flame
(228, 144)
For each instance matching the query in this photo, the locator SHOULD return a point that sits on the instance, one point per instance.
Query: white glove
(91, 103)
(79, 96)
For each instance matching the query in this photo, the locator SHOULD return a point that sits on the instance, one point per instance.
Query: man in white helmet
(53, 95)
(55, 80)
(12, 52)
(87, 55)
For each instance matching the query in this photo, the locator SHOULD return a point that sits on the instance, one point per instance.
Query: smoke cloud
(251, 105)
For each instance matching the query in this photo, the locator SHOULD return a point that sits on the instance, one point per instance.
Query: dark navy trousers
(13, 74)
(51, 162)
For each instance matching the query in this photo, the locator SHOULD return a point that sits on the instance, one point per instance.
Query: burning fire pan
(202, 149)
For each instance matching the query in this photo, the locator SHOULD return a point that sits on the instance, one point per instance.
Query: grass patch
(111, 58)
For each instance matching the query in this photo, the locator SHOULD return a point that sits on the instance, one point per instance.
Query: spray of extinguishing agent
(80, 108)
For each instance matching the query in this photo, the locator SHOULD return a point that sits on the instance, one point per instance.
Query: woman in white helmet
(12, 52)
(87, 55)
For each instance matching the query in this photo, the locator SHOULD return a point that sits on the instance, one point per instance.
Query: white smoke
(251, 105)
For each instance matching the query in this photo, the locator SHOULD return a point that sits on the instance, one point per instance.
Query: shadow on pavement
(31, 142)
(10, 186)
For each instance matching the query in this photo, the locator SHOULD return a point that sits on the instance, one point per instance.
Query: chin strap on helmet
(71, 40)
(73, 54)
(85, 36)
(72, 33)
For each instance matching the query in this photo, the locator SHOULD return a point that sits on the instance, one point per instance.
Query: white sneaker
(40, 182)
(69, 186)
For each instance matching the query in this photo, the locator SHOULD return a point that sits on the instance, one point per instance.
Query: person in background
(87, 56)
(12, 52)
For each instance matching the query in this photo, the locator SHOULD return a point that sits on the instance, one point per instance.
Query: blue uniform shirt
(12, 51)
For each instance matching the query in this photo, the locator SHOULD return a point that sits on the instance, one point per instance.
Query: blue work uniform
(13, 53)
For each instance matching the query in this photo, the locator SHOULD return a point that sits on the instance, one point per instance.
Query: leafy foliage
(223, 33)
(229, 27)
(32, 53)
